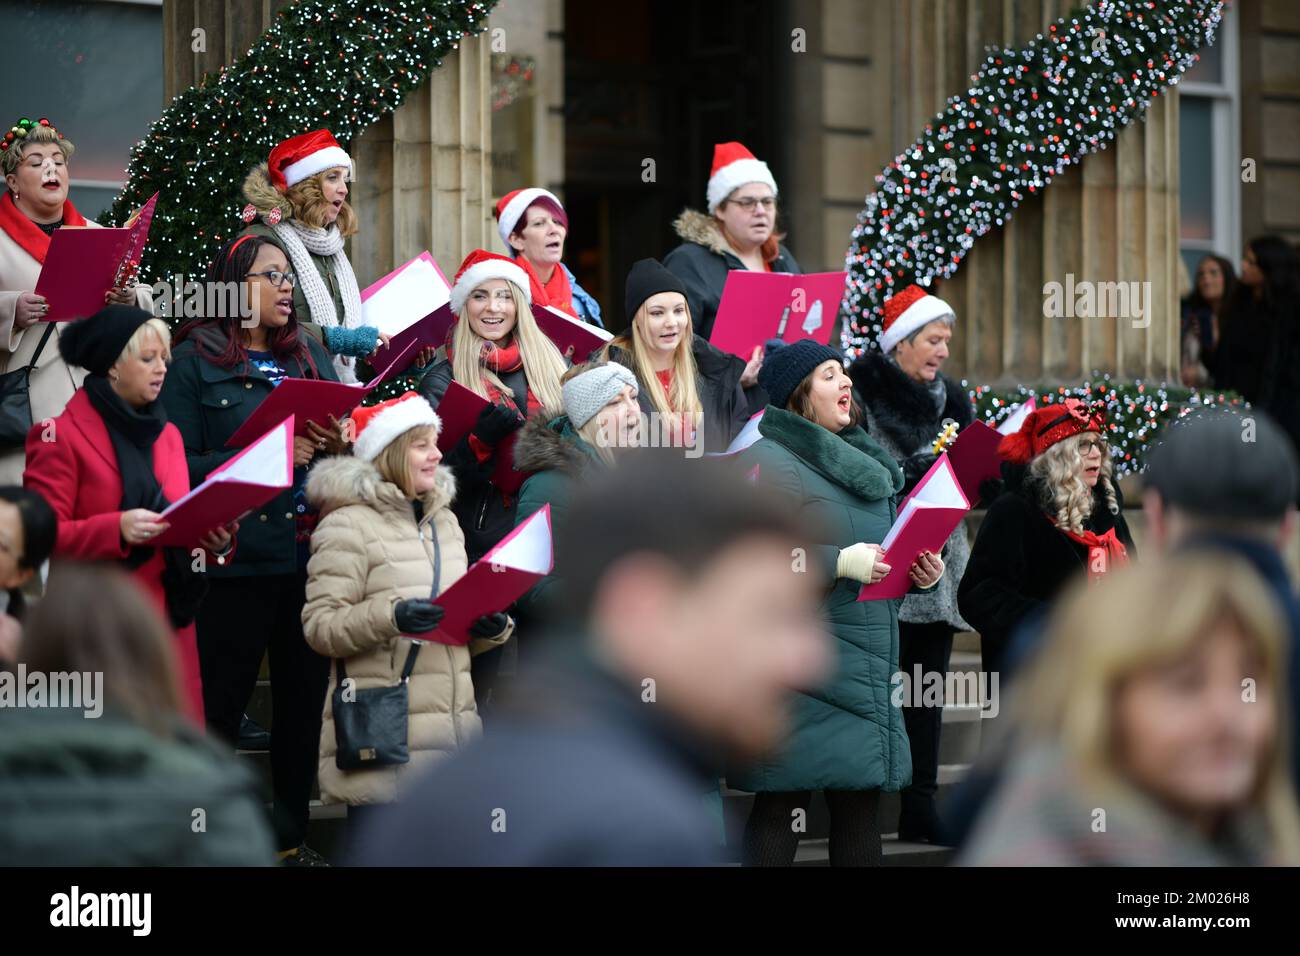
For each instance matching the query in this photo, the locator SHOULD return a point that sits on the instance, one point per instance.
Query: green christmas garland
(337, 64)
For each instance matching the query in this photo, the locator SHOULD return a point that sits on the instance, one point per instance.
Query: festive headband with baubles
(19, 131)
(292, 161)
(1047, 425)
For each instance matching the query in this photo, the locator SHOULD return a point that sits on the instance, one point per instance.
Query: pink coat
(71, 462)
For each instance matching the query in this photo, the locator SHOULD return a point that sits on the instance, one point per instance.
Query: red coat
(76, 472)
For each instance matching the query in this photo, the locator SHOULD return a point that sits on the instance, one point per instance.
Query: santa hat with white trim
(908, 311)
(306, 155)
(513, 205)
(733, 167)
(480, 266)
(377, 426)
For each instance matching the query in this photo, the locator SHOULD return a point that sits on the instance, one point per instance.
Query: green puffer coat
(845, 735)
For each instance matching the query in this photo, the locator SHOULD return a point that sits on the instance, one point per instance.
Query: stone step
(894, 851)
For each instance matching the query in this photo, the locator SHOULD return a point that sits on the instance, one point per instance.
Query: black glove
(915, 467)
(496, 422)
(989, 489)
(417, 615)
(489, 625)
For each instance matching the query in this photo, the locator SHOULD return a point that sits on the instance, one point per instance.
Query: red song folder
(974, 457)
(84, 262)
(744, 438)
(459, 410)
(757, 306)
(564, 330)
(926, 519)
(310, 399)
(249, 480)
(498, 579)
(410, 304)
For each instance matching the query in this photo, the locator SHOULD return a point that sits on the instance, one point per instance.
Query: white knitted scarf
(301, 242)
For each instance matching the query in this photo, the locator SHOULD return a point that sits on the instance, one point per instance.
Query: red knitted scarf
(26, 233)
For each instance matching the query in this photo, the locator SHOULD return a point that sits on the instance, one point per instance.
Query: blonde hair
(543, 363)
(136, 344)
(1071, 499)
(684, 396)
(12, 157)
(1067, 695)
(394, 462)
(308, 200)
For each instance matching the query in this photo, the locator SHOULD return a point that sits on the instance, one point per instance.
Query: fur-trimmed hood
(263, 196)
(345, 480)
(902, 408)
(545, 445)
(701, 229)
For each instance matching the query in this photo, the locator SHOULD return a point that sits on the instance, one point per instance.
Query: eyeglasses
(748, 203)
(275, 277)
(1088, 444)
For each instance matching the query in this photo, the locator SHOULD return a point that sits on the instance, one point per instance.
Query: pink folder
(974, 457)
(744, 438)
(925, 520)
(459, 411)
(757, 306)
(564, 330)
(249, 480)
(1017, 417)
(410, 304)
(498, 579)
(309, 399)
(84, 262)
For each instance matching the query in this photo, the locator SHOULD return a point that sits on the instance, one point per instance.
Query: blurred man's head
(689, 575)
(1222, 473)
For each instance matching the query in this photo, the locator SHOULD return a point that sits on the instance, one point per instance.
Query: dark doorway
(659, 81)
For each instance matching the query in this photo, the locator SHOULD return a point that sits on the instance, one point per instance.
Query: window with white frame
(1209, 159)
(94, 69)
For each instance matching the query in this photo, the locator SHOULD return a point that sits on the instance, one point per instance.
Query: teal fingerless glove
(357, 343)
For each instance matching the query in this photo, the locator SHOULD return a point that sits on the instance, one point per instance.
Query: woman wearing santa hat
(386, 546)
(34, 158)
(737, 232)
(906, 399)
(496, 350)
(533, 225)
(299, 199)
(1059, 515)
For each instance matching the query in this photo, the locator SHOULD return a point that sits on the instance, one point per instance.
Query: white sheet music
(264, 463)
(1016, 418)
(940, 490)
(529, 550)
(412, 294)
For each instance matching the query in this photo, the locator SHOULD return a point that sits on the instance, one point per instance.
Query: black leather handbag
(15, 403)
(370, 725)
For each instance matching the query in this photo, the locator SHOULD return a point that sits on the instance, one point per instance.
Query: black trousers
(930, 646)
(771, 840)
(240, 620)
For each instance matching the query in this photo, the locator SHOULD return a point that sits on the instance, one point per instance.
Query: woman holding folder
(34, 158)
(221, 372)
(386, 546)
(694, 392)
(111, 462)
(847, 738)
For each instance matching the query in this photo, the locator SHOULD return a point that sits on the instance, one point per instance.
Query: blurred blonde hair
(394, 462)
(1156, 613)
(1058, 467)
(12, 157)
(543, 363)
(136, 344)
(309, 204)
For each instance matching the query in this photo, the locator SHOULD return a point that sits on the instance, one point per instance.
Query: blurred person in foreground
(682, 631)
(118, 777)
(1151, 730)
(28, 530)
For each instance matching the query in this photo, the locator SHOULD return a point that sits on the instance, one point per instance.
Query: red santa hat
(1047, 425)
(733, 166)
(306, 155)
(377, 426)
(908, 311)
(480, 266)
(513, 205)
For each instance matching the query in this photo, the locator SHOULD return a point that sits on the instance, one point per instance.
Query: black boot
(252, 736)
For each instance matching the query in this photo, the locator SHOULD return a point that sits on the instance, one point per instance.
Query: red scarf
(26, 233)
(501, 360)
(1105, 551)
(557, 293)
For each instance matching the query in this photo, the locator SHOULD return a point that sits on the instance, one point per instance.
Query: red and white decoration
(306, 155)
(481, 266)
(378, 425)
(733, 167)
(908, 311)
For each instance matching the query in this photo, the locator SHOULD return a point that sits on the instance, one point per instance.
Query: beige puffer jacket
(368, 554)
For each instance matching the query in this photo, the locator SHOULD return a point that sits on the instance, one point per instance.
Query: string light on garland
(340, 64)
(1136, 413)
(1028, 115)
